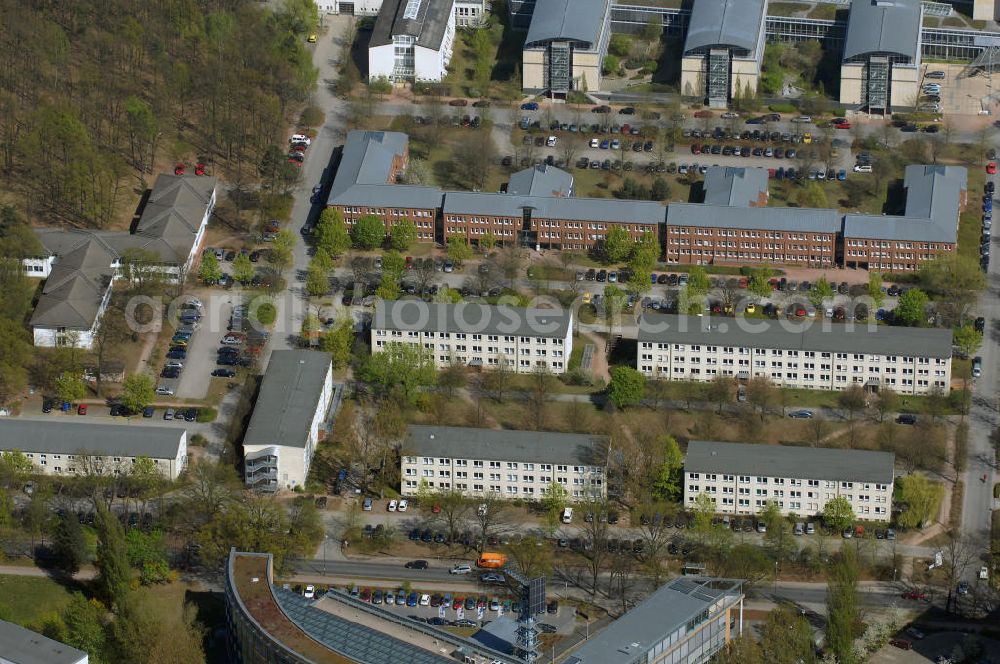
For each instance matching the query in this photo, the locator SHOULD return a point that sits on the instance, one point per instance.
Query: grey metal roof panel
(822, 336)
(23, 646)
(288, 398)
(606, 210)
(428, 26)
(753, 218)
(934, 191)
(542, 180)
(471, 318)
(725, 23)
(367, 158)
(883, 26)
(506, 445)
(659, 615)
(571, 20)
(816, 463)
(905, 229)
(730, 185)
(390, 195)
(64, 437)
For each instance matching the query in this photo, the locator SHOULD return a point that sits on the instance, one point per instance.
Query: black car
(148, 411)
(227, 361)
(177, 354)
(553, 606)
(224, 373)
(416, 564)
(190, 415)
(47, 406)
(170, 372)
(415, 535)
(117, 410)
(230, 255)
(907, 419)
(980, 324)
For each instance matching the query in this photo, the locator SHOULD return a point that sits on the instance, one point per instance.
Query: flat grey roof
(471, 318)
(603, 210)
(289, 395)
(506, 445)
(884, 26)
(22, 646)
(754, 218)
(629, 638)
(542, 180)
(571, 20)
(730, 185)
(75, 437)
(816, 463)
(428, 24)
(813, 335)
(725, 23)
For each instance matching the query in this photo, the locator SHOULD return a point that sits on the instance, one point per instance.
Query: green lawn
(24, 599)
(970, 223)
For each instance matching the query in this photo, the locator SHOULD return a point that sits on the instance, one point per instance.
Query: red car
(199, 169)
(991, 168)
(703, 114)
(842, 125)
(82, 409)
(915, 594)
(902, 644)
(179, 169)
(457, 603)
(436, 509)
(695, 149)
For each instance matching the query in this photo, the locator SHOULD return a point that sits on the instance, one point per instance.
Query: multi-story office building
(478, 335)
(816, 355)
(743, 478)
(507, 464)
(412, 40)
(292, 406)
(566, 45)
(70, 448)
(686, 621)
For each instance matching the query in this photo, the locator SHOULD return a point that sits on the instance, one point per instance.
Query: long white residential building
(70, 447)
(743, 478)
(507, 464)
(293, 403)
(525, 340)
(816, 355)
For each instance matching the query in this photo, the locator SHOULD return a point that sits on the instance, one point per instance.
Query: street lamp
(326, 538)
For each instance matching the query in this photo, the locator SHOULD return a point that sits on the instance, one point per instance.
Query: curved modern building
(723, 50)
(565, 46)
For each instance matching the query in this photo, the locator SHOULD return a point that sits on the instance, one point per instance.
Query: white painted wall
(380, 61)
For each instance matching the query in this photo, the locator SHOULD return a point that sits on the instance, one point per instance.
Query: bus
(491, 560)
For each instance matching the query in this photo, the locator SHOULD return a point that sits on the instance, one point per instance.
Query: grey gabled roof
(907, 229)
(629, 638)
(725, 23)
(71, 437)
(816, 463)
(542, 180)
(289, 395)
(730, 185)
(428, 25)
(506, 445)
(471, 318)
(884, 26)
(362, 177)
(753, 218)
(570, 20)
(811, 334)
(22, 646)
(602, 210)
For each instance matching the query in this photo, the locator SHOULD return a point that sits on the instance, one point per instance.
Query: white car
(392, 505)
(425, 600)
(402, 505)
(300, 138)
(551, 141)
(481, 510)
(802, 118)
(310, 592)
(165, 391)
(462, 568)
(594, 143)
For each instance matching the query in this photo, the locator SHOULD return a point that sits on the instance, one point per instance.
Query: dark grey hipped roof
(470, 318)
(22, 646)
(428, 25)
(543, 180)
(567, 20)
(288, 397)
(725, 23)
(884, 26)
(505, 445)
(818, 335)
(815, 463)
(730, 185)
(628, 639)
(600, 210)
(100, 439)
(362, 177)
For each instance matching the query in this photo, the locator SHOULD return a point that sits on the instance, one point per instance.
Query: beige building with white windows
(478, 335)
(71, 448)
(742, 478)
(507, 464)
(814, 354)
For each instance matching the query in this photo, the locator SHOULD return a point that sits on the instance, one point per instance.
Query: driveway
(201, 355)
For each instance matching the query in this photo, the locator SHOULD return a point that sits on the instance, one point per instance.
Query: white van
(863, 168)
(567, 515)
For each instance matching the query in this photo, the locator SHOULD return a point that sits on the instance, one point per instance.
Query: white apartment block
(814, 354)
(525, 340)
(70, 447)
(506, 464)
(468, 13)
(743, 478)
(412, 40)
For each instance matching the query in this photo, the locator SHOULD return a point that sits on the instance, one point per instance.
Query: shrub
(206, 415)
(266, 314)
(198, 440)
(783, 108)
(312, 116)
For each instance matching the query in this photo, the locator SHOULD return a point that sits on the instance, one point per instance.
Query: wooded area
(94, 96)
